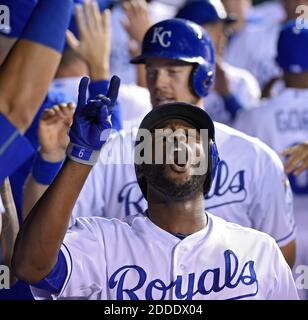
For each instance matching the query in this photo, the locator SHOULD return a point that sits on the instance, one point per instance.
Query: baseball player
(280, 121)
(250, 187)
(268, 11)
(176, 251)
(23, 84)
(241, 49)
(235, 88)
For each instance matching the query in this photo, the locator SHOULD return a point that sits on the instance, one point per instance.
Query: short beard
(168, 190)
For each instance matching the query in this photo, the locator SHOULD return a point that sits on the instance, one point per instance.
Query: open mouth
(178, 165)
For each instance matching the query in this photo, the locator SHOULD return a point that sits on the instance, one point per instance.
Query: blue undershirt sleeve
(54, 281)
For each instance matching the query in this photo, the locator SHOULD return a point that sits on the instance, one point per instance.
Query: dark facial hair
(168, 189)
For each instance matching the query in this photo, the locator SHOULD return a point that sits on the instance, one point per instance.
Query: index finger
(113, 91)
(82, 92)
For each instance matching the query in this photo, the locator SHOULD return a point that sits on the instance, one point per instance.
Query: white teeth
(164, 100)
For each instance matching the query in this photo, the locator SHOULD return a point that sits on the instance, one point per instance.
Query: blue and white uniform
(222, 261)
(281, 122)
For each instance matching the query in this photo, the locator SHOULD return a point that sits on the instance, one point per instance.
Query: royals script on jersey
(116, 260)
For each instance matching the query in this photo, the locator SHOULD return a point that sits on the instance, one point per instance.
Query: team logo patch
(162, 37)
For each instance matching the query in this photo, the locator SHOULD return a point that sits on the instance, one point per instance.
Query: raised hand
(138, 19)
(53, 128)
(94, 44)
(91, 124)
(297, 160)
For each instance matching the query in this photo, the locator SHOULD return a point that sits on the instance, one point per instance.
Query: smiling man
(175, 251)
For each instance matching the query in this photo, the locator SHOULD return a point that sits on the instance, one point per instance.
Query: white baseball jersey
(135, 103)
(242, 85)
(269, 11)
(249, 187)
(68, 85)
(116, 260)
(282, 122)
(254, 49)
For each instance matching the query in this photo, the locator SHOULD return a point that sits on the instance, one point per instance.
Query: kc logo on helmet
(162, 36)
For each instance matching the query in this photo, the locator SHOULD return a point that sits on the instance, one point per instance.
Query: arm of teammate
(94, 48)
(53, 140)
(10, 225)
(23, 85)
(41, 235)
(297, 160)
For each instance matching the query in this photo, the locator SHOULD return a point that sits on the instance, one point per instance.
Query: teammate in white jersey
(259, 57)
(235, 88)
(176, 251)
(250, 187)
(281, 122)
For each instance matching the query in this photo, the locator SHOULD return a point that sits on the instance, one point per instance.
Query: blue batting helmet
(205, 11)
(185, 41)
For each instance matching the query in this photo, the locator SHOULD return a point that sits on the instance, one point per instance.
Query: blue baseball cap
(19, 14)
(205, 11)
(292, 48)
